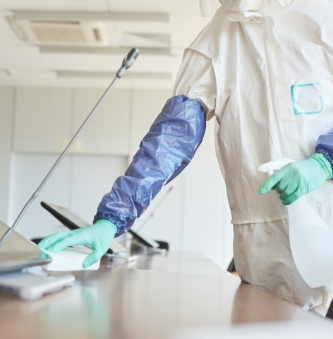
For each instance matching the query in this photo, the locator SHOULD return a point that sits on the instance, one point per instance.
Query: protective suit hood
(251, 5)
(242, 5)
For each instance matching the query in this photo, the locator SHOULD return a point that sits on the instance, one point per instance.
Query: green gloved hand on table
(298, 178)
(98, 236)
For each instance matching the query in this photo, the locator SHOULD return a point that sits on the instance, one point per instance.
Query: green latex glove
(98, 236)
(298, 178)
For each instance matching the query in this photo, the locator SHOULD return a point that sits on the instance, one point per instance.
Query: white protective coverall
(264, 70)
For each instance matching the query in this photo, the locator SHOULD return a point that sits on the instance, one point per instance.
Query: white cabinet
(28, 171)
(78, 184)
(42, 119)
(164, 218)
(108, 131)
(92, 177)
(46, 119)
(6, 110)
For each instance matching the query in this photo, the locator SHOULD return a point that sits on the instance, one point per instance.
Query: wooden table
(145, 302)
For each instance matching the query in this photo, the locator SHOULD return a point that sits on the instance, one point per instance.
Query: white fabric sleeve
(196, 80)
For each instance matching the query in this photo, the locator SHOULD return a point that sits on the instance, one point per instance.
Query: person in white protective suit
(264, 70)
(246, 69)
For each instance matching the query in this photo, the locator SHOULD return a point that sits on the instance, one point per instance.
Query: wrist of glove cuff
(324, 163)
(106, 223)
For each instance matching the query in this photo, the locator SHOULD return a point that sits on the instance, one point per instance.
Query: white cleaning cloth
(69, 259)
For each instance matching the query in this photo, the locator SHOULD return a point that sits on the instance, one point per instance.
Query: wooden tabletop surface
(148, 300)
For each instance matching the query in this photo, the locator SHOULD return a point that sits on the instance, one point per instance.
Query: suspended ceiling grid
(26, 64)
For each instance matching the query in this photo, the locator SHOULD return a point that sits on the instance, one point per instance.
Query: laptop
(17, 252)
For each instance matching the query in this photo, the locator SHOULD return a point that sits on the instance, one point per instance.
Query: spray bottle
(311, 240)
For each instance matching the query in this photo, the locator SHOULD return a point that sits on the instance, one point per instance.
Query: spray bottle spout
(270, 167)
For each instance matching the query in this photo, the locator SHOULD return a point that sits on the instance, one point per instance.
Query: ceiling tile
(38, 69)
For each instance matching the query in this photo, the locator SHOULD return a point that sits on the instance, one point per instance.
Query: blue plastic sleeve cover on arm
(164, 152)
(325, 146)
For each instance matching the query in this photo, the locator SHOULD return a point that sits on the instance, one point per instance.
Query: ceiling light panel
(93, 16)
(58, 33)
(110, 75)
(73, 33)
(149, 40)
(58, 5)
(101, 50)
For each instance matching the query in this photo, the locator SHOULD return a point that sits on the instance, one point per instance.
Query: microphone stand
(127, 63)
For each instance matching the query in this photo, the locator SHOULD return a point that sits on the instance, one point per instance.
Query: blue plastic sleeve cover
(164, 152)
(325, 146)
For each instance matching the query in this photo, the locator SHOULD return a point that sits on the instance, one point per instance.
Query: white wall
(78, 184)
(193, 216)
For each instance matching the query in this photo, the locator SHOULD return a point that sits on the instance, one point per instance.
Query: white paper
(69, 259)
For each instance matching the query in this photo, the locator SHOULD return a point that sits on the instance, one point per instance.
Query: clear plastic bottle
(311, 240)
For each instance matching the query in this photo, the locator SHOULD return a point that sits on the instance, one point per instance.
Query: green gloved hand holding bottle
(298, 178)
